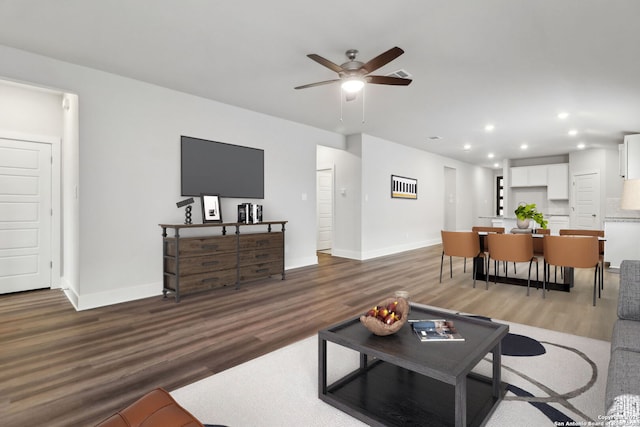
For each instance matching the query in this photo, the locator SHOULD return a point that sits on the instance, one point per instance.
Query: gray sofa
(623, 382)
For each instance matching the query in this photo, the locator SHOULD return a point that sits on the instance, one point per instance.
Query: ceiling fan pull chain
(341, 101)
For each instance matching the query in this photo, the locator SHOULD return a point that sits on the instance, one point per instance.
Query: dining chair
(511, 248)
(575, 252)
(584, 232)
(538, 247)
(481, 229)
(464, 244)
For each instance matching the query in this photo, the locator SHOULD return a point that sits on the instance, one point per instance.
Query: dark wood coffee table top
(440, 360)
(404, 381)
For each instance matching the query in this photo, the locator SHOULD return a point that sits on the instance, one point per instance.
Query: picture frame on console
(211, 211)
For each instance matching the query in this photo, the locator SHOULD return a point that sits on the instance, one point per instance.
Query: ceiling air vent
(403, 74)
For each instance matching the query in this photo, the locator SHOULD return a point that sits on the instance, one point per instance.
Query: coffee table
(403, 381)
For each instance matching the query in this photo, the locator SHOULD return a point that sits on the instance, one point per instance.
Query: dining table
(565, 282)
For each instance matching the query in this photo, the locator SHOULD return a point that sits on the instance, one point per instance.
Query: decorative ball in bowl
(387, 317)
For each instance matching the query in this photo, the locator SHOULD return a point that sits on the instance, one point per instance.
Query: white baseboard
(391, 250)
(301, 262)
(119, 295)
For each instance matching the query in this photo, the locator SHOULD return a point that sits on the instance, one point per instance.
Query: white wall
(129, 171)
(391, 225)
(27, 110)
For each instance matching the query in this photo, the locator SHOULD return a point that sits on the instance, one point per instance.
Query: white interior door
(586, 210)
(324, 206)
(25, 215)
(450, 199)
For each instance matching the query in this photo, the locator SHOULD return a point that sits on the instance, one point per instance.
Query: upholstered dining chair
(583, 232)
(511, 248)
(480, 229)
(465, 244)
(575, 252)
(538, 247)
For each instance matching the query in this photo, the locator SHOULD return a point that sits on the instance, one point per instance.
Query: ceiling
(513, 63)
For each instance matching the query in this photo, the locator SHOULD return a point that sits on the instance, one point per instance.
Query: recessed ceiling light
(573, 132)
(563, 115)
(496, 165)
(466, 147)
(491, 155)
(581, 146)
(489, 127)
(524, 146)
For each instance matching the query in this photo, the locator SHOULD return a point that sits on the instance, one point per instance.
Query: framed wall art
(211, 211)
(403, 187)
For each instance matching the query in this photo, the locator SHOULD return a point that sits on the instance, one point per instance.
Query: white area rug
(281, 388)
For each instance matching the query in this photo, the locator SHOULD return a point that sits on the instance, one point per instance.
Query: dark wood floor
(66, 368)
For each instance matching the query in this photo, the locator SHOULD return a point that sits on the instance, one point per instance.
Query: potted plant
(525, 212)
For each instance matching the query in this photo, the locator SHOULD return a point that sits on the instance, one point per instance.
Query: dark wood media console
(204, 262)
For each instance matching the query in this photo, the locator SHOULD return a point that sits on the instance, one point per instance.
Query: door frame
(56, 211)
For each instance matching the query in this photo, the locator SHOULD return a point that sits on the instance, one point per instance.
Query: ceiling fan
(354, 74)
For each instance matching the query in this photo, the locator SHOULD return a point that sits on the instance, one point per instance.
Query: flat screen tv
(210, 167)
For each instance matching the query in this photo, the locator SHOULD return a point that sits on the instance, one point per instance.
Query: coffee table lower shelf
(387, 395)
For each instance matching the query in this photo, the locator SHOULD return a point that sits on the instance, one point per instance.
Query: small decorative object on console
(187, 210)
(387, 317)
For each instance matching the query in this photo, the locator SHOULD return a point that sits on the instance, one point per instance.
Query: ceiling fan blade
(326, 82)
(388, 80)
(383, 59)
(322, 61)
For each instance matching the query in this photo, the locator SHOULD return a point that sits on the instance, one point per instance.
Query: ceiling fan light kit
(353, 85)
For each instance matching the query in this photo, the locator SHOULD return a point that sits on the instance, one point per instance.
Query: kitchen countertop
(620, 219)
(514, 218)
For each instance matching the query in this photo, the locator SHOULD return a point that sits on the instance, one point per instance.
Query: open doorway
(450, 199)
(324, 210)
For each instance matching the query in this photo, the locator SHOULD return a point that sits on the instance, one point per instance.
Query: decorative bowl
(378, 327)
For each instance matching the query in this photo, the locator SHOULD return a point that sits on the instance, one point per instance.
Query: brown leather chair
(538, 247)
(511, 248)
(465, 244)
(584, 232)
(155, 409)
(572, 251)
(484, 244)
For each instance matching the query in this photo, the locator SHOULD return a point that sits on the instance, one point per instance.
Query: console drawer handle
(208, 263)
(262, 270)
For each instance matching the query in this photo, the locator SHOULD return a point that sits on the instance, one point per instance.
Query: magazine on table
(435, 330)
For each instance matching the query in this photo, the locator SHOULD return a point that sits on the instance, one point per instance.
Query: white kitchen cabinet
(632, 156)
(537, 175)
(519, 177)
(529, 176)
(558, 181)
